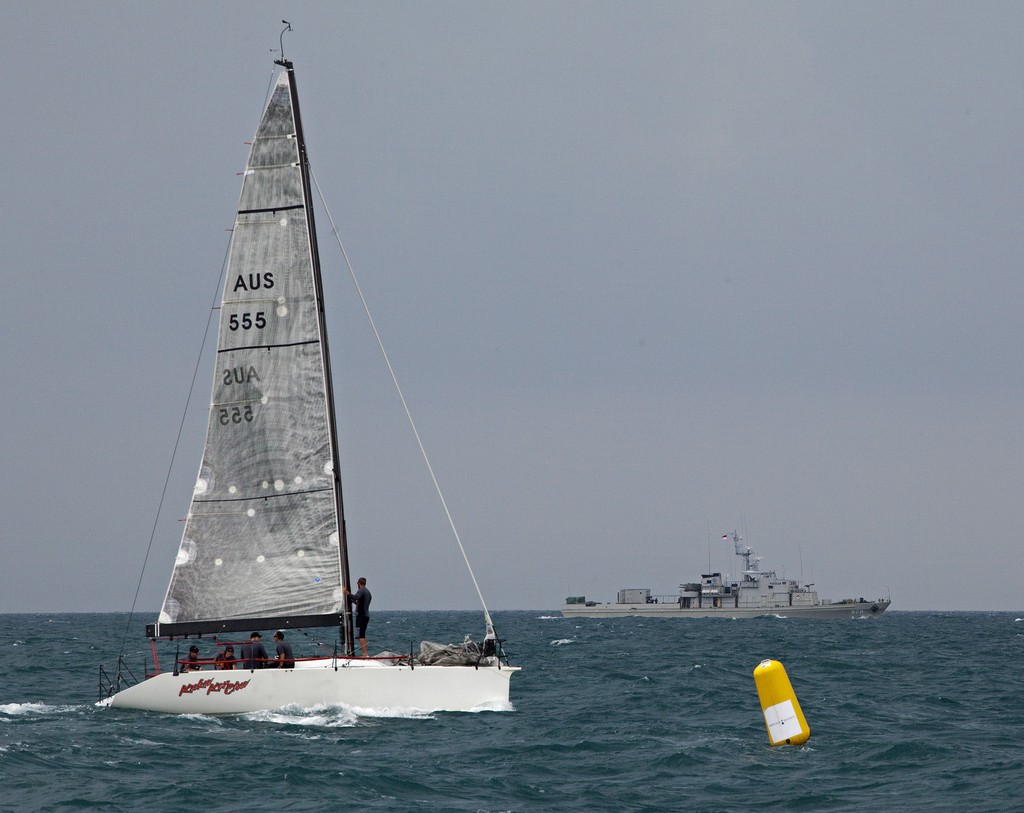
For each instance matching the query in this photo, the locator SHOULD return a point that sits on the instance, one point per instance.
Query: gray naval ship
(758, 593)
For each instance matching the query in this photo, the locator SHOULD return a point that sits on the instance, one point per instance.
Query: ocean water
(910, 712)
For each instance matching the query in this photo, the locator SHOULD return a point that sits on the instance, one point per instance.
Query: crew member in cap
(254, 656)
(193, 663)
(285, 658)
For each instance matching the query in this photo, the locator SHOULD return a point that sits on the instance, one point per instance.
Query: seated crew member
(226, 659)
(192, 662)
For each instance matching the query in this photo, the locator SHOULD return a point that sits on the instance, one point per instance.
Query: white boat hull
(361, 684)
(852, 609)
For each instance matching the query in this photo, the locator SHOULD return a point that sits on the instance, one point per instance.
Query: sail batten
(268, 346)
(273, 209)
(274, 557)
(261, 496)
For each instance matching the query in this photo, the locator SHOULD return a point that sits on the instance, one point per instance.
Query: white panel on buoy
(782, 722)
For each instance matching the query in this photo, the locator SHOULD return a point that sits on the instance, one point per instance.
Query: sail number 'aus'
(238, 414)
(247, 321)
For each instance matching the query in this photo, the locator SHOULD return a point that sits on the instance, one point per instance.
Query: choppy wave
(13, 709)
(317, 716)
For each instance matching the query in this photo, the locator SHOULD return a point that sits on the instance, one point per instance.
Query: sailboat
(264, 545)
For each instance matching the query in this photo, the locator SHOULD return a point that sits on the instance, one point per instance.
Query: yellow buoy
(782, 715)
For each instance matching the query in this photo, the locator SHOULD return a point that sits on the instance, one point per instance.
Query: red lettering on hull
(211, 686)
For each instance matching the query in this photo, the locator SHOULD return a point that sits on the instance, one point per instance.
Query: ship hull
(853, 609)
(356, 683)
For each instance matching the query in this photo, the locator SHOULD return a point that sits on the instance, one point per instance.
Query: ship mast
(347, 626)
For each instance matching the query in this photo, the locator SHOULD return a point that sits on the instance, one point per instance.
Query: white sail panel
(261, 538)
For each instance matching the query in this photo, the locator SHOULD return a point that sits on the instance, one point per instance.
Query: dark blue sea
(911, 712)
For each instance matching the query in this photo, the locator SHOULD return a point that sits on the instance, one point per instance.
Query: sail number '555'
(247, 320)
(228, 415)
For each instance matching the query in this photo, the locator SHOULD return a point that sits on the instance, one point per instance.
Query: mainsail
(263, 545)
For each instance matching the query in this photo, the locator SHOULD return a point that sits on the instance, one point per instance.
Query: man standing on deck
(361, 598)
(285, 658)
(254, 656)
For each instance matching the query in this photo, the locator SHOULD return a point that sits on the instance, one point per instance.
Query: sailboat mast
(348, 630)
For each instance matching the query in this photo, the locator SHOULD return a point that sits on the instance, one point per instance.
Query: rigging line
(405, 406)
(177, 441)
(266, 100)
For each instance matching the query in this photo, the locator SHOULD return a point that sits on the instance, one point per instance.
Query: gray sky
(647, 272)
